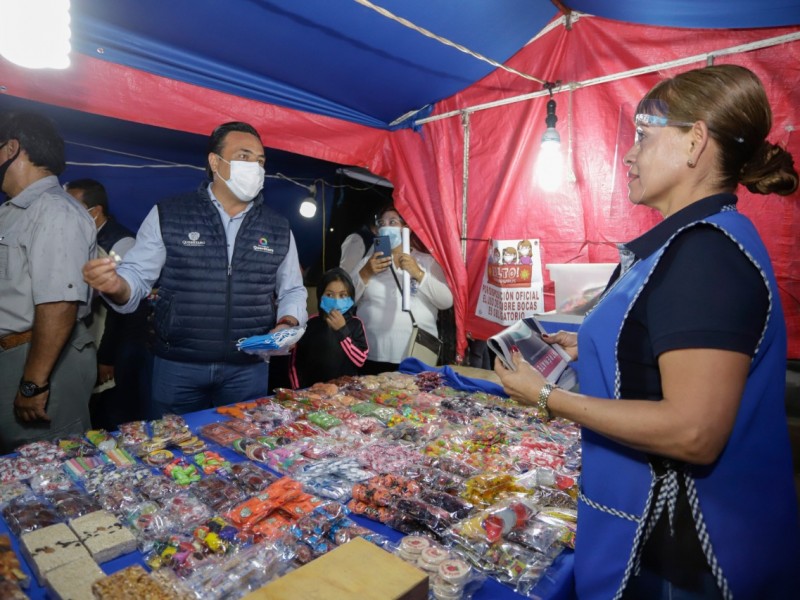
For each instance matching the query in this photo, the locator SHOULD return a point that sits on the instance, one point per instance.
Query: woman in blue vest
(687, 488)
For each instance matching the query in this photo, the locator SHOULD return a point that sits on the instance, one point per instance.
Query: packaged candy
(42, 451)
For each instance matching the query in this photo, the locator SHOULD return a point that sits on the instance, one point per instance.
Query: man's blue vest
(203, 305)
(744, 505)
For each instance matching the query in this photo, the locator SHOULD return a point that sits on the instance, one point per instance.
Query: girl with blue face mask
(334, 344)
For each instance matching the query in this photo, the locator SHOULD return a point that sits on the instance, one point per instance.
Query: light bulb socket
(551, 119)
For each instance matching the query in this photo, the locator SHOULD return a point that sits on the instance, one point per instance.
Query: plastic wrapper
(211, 462)
(74, 446)
(243, 571)
(158, 486)
(486, 489)
(217, 536)
(245, 428)
(172, 428)
(185, 510)
(451, 465)
(254, 449)
(385, 456)
(434, 478)
(219, 433)
(456, 507)
(182, 471)
(277, 343)
(432, 517)
(92, 479)
(120, 457)
(73, 503)
(133, 434)
(101, 439)
(118, 496)
(219, 493)
(323, 419)
(191, 445)
(51, 479)
(18, 468)
(149, 524)
(251, 478)
(158, 458)
(11, 490)
(27, 513)
(42, 452)
(369, 409)
(80, 466)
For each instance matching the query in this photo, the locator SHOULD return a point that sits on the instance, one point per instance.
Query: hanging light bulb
(550, 163)
(308, 207)
(35, 33)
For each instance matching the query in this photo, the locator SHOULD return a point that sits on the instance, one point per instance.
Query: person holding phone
(379, 299)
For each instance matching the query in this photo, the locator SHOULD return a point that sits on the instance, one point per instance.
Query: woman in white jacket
(379, 298)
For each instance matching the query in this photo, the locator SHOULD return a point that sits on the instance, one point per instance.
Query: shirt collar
(219, 206)
(26, 197)
(646, 244)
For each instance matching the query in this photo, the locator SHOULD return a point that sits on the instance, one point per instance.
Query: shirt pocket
(7, 247)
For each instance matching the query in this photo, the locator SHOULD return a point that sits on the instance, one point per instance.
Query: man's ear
(213, 161)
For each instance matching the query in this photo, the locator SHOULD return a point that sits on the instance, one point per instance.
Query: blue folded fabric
(412, 366)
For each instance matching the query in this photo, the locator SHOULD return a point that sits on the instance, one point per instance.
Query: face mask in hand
(341, 304)
(247, 179)
(394, 234)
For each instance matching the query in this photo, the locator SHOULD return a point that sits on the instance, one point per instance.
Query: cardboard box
(358, 570)
(577, 284)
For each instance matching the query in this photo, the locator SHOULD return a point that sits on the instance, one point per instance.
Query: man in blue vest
(226, 267)
(122, 356)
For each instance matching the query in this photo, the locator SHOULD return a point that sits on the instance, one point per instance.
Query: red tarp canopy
(580, 223)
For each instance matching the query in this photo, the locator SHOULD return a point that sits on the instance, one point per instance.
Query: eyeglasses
(645, 120)
(389, 222)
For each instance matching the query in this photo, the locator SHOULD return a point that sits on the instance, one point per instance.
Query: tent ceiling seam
(765, 43)
(427, 33)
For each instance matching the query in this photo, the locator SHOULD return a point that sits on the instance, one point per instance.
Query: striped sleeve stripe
(353, 352)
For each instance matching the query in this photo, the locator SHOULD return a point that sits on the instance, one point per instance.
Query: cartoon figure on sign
(525, 249)
(509, 255)
(496, 259)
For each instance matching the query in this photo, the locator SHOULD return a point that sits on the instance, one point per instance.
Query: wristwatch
(544, 396)
(28, 389)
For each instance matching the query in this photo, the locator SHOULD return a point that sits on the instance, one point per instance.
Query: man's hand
(104, 373)
(101, 274)
(335, 320)
(31, 409)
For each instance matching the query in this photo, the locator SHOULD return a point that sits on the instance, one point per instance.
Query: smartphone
(382, 245)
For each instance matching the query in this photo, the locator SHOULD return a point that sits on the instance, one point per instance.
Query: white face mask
(394, 234)
(247, 179)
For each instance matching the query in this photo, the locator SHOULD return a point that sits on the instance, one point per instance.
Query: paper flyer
(512, 281)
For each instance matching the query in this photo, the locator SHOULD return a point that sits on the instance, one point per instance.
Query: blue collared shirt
(142, 265)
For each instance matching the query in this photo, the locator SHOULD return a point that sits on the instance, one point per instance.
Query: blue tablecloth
(556, 584)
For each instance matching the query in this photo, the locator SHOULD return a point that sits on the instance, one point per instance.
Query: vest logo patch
(263, 245)
(194, 239)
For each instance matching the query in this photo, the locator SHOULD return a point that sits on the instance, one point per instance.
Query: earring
(690, 163)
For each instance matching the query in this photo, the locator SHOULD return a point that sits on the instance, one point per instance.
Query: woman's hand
(568, 340)
(406, 262)
(335, 320)
(377, 263)
(524, 384)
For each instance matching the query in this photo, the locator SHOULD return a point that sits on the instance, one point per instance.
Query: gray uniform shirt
(46, 237)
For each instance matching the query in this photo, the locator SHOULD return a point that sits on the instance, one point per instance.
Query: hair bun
(770, 171)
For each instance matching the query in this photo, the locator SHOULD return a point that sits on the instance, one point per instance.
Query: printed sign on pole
(512, 282)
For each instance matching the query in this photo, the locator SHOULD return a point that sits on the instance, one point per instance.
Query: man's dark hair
(217, 139)
(37, 135)
(94, 194)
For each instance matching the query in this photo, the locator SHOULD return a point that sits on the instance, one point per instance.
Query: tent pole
(697, 58)
(465, 184)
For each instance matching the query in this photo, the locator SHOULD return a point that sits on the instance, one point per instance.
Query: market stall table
(556, 584)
